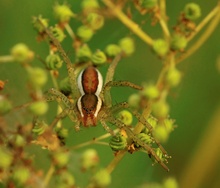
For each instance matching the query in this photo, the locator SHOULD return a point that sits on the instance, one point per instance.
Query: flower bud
(21, 53)
(89, 4)
(161, 133)
(6, 158)
(53, 62)
(19, 140)
(160, 47)
(84, 33)
(118, 142)
(38, 108)
(58, 33)
(99, 57)
(95, 21)
(65, 179)
(37, 76)
(192, 11)
(127, 45)
(160, 109)
(125, 117)
(21, 175)
(5, 105)
(61, 158)
(178, 42)
(170, 182)
(63, 12)
(102, 178)
(173, 77)
(147, 3)
(37, 23)
(84, 53)
(150, 91)
(112, 50)
(39, 127)
(169, 124)
(134, 100)
(145, 138)
(89, 159)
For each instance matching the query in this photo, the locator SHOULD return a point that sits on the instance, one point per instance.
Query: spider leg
(66, 105)
(141, 119)
(70, 69)
(150, 151)
(107, 128)
(106, 89)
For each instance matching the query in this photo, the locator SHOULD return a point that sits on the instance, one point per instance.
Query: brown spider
(92, 101)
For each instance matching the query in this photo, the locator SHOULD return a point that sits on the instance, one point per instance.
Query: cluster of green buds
(53, 62)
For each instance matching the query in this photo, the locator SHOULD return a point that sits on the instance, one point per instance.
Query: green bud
(37, 25)
(161, 133)
(152, 121)
(173, 77)
(125, 117)
(102, 178)
(19, 140)
(178, 42)
(90, 4)
(99, 57)
(63, 12)
(38, 108)
(160, 109)
(127, 45)
(6, 158)
(84, 53)
(95, 21)
(84, 33)
(150, 91)
(62, 132)
(21, 53)
(53, 62)
(170, 182)
(160, 155)
(61, 158)
(169, 124)
(37, 76)
(65, 180)
(58, 33)
(89, 159)
(65, 86)
(112, 50)
(5, 105)
(145, 138)
(192, 11)
(160, 47)
(134, 100)
(39, 127)
(148, 3)
(118, 142)
(21, 175)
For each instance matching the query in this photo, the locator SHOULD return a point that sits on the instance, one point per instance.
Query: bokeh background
(195, 103)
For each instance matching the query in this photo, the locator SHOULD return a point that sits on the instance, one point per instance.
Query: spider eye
(90, 81)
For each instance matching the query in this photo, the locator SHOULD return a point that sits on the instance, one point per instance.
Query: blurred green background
(193, 103)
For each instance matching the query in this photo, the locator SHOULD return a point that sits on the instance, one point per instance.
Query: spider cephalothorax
(89, 104)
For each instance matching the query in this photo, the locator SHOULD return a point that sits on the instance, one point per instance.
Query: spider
(92, 100)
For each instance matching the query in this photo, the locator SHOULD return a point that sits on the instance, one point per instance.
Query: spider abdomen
(90, 81)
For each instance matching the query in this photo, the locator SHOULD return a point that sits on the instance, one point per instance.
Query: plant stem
(48, 175)
(6, 59)
(128, 22)
(206, 157)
